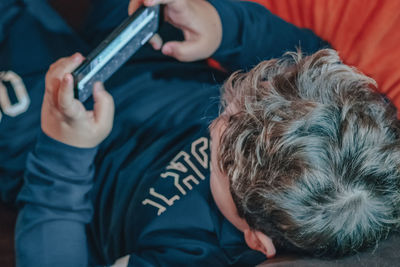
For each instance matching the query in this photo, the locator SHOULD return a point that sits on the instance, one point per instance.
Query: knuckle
(51, 70)
(63, 107)
(69, 111)
(53, 65)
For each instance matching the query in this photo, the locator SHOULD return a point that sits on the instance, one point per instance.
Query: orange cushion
(366, 33)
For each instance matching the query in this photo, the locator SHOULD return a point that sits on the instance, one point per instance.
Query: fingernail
(77, 56)
(156, 45)
(167, 50)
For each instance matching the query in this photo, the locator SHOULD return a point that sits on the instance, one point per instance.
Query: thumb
(103, 110)
(183, 51)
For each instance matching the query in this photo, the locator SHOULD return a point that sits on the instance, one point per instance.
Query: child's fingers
(156, 42)
(103, 108)
(58, 69)
(66, 102)
(134, 5)
(182, 50)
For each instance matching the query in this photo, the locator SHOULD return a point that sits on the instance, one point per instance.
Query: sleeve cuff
(58, 180)
(62, 158)
(231, 26)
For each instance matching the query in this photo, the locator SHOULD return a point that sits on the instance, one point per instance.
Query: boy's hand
(199, 21)
(64, 118)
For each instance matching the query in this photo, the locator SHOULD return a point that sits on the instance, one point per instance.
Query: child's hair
(312, 154)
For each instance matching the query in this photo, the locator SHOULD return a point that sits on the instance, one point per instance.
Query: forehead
(219, 182)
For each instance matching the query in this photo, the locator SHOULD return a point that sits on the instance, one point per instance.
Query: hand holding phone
(115, 50)
(64, 118)
(199, 21)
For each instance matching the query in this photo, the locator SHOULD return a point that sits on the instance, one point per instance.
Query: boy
(155, 163)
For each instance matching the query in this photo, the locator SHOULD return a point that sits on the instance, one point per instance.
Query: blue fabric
(249, 37)
(51, 224)
(145, 190)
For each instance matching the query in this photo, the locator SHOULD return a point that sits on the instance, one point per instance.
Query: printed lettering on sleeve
(183, 172)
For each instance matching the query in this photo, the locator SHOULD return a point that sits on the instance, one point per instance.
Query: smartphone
(115, 50)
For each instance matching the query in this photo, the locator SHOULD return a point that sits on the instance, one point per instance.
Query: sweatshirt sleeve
(55, 205)
(251, 34)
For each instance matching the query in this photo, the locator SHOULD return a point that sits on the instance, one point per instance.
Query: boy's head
(310, 154)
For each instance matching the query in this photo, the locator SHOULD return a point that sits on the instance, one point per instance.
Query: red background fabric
(365, 33)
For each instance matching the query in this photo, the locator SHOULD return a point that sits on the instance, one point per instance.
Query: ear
(259, 241)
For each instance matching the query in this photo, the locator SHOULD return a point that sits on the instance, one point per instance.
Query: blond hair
(312, 154)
